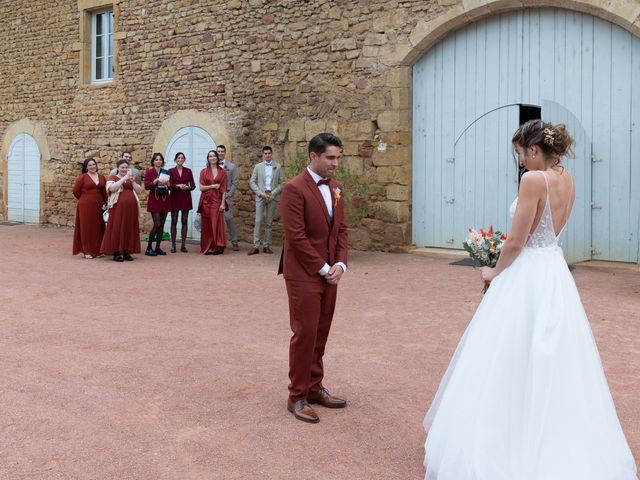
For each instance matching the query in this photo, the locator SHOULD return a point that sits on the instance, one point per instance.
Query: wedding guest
(122, 234)
(126, 155)
(156, 181)
(181, 183)
(213, 184)
(89, 189)
(232, 173)
(267, 181)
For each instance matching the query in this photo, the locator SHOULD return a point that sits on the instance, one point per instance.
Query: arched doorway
(24, 180)
(194, 142)
(579, 69)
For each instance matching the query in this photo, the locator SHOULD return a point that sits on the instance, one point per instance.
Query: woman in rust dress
(181, 183)
(90, 191)
(156, 181)
(122, 235)
(213, 184)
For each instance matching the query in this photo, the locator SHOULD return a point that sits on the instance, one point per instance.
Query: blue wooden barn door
(586, 70)
(486, 181)
(576, 239)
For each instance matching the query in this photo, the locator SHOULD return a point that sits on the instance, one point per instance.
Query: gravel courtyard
(176, 367)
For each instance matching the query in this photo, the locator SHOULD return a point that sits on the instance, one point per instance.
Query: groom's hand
(334, 275)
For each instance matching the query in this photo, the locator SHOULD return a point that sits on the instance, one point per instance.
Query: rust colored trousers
(311, 307)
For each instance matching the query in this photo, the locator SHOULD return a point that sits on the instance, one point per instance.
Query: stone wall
(269, 72)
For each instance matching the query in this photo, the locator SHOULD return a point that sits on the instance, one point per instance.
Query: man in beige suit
(266, 182)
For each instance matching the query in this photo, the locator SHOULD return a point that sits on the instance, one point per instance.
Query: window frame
(87, 10)
(106, 18)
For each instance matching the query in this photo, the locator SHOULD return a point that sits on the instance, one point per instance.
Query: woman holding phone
(122, 235)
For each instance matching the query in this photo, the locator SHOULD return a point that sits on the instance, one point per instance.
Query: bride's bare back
(561, 198)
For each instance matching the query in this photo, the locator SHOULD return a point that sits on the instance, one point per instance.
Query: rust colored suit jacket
(311, 238)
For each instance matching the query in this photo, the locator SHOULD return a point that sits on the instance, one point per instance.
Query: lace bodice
(545, 233)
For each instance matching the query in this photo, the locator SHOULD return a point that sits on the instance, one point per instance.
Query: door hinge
(450, 200)
(450, 241)
(595, 252)
(595, 159)
(451, 160)
(596, 206)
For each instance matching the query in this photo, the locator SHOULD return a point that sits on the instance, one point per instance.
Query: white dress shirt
(324, 190)
(268, 174)
(326, 195)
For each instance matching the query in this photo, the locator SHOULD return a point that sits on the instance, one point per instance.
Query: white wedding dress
(525, 396)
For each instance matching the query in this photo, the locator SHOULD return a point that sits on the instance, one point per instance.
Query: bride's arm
(531, 188)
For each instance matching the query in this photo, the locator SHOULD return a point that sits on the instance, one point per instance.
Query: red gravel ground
(176, 367)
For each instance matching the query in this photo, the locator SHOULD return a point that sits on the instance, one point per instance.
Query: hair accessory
(548, 136)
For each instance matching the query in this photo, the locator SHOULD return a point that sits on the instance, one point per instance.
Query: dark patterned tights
(156, 231)
(174, 225)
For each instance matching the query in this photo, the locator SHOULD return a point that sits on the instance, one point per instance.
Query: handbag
(161, 190)
(105, 212)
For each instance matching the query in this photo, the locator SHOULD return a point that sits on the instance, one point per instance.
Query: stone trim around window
(87, 8)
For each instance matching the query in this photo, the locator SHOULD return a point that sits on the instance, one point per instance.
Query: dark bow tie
(324, 181)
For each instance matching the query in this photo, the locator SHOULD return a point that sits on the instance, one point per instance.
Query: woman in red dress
(181, 183)
(156, 181)
(89, 189)
(213, 184)
(122, 235)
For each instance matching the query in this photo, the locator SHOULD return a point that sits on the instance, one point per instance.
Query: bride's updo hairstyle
(553, 140)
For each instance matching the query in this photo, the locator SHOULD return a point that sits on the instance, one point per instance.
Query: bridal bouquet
(484, 247)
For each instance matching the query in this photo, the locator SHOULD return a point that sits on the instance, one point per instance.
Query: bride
(525, 396)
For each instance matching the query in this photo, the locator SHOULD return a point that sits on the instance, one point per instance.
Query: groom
(313, 260)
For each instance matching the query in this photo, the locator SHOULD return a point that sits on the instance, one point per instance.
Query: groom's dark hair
(320, 142)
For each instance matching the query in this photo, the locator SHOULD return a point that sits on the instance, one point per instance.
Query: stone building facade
(249, 72)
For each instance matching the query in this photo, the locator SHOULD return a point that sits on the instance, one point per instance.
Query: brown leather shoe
(254, 251)
(267, 250)
(235, 247)
(303, 411)
(324, 398)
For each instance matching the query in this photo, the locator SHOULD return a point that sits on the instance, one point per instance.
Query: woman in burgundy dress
(213, 184)
(90, 191)
(181, 183)
(122, 235)
(156, 180)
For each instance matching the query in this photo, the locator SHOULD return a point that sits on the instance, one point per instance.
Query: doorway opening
(527, 112)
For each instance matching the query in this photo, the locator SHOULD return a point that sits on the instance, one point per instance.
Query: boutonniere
(336, 196)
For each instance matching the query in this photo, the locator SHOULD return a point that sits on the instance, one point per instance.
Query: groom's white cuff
(324, 270)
